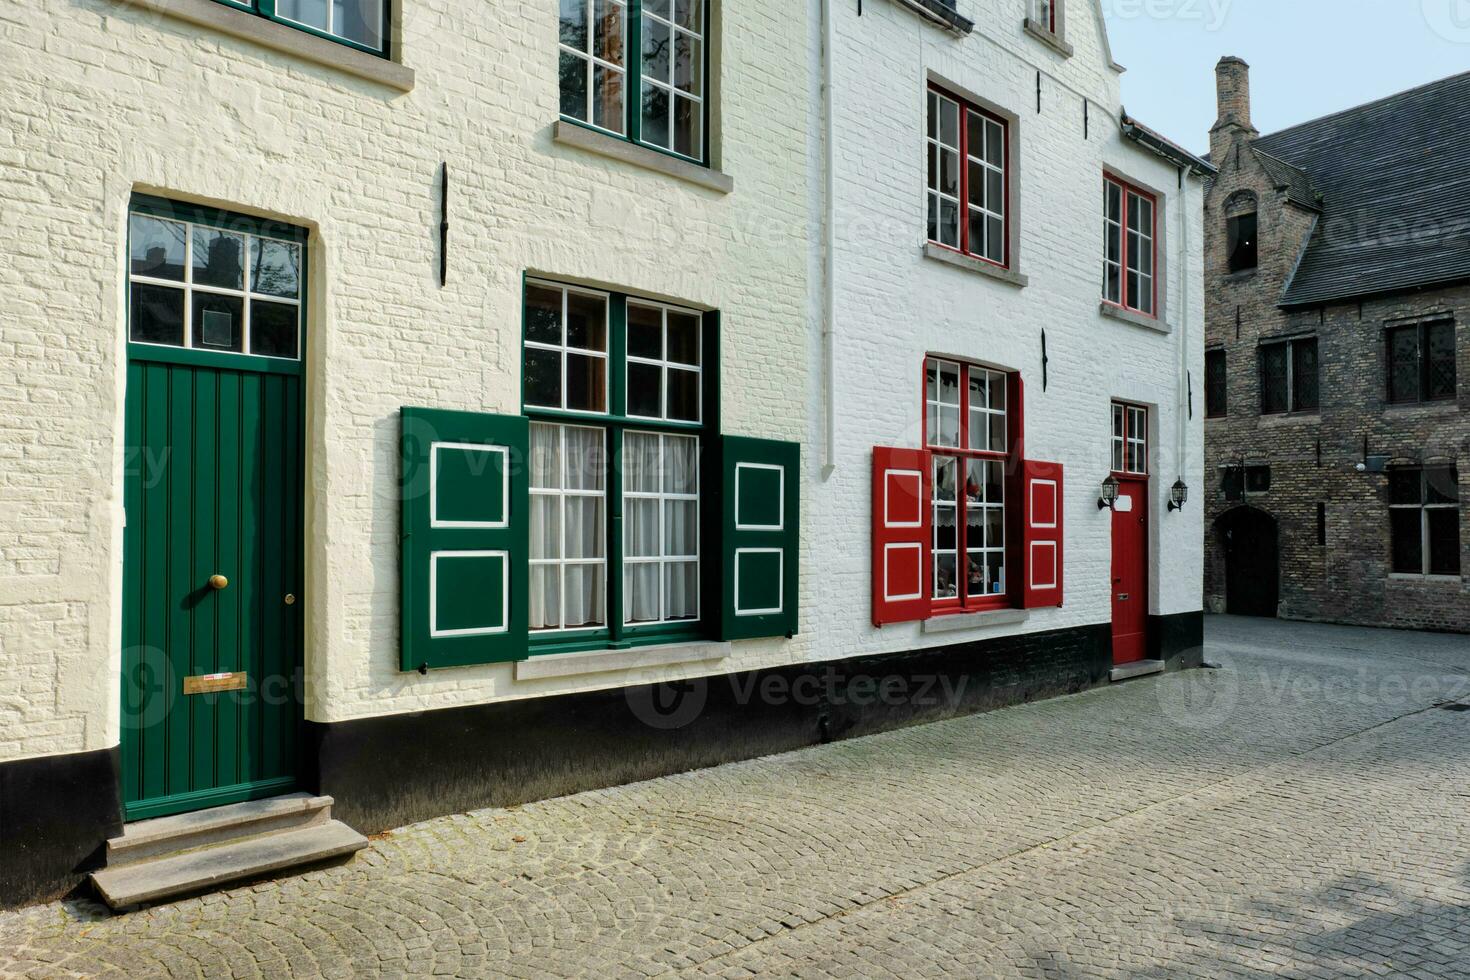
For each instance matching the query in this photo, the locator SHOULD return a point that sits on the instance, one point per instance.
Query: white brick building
(226, 239)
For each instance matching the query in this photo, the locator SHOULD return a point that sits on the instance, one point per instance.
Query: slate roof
(1395, 188)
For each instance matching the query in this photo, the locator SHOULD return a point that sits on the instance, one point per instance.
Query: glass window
(966, 159)
(1289, 376)
(1129, 247)
(1424, 520)
(1217, 399)
(360, 23)
(1130, 439)
(663, 105)
(1240, 242)
(1044, 14)
(967, 425)
(1421, 362)
(627, 534)
(203, 287)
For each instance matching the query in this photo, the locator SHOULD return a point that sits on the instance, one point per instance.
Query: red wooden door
(1130, 573)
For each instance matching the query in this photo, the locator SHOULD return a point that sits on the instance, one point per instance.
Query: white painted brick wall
(894, 305)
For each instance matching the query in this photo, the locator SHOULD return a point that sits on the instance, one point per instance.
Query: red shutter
(901, 535)
(1042, 535)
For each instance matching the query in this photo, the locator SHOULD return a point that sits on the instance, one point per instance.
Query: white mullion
(245, 302)
(561, 502)
(565, 306)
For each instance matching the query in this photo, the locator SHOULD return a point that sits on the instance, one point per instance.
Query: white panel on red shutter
(902, 521)
(1042, 534)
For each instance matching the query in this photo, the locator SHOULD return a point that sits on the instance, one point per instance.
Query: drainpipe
(829, 262)
(1184, 311)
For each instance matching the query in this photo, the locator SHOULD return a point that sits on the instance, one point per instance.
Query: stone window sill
(978, 266)
(223, 19)
(605, 661)
(1134, 319)
(1420, 409)
(583, 138)
(1048, 38)
(1453, 581)
(940, 13)
(979, 620)
(1295, 418)
(1244, 275)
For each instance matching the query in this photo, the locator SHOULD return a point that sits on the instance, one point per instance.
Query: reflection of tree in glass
(275, 268)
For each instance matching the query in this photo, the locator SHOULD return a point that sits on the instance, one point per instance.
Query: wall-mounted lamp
(1109, 496)
(1178, 495)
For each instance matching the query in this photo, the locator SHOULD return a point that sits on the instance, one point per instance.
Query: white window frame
(665, 365)
(592, 62)
(664, 559)
(670, 86)
(331, 7)
(188, 287)
(562, 492)
(562, 350)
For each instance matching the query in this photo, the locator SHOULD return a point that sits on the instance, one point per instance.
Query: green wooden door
(211, 672)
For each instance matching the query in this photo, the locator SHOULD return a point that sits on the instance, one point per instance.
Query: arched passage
(1250, 543)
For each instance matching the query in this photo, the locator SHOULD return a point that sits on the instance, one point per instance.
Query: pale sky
(1308, 58)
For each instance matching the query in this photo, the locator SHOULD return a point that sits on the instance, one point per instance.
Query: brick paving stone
(1303, 812)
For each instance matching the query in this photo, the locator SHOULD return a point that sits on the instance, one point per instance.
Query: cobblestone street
(1304, 811)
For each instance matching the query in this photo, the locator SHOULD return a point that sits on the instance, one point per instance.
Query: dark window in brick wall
(1216, 380)
(1289, 376)
(1258, 479)
(1321, 525)
(1232, 483)
(1424, 520)
(1421, 362)
(1240, 234)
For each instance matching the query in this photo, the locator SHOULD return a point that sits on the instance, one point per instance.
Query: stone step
(238, 860)
(148, 839)
(1141, 669)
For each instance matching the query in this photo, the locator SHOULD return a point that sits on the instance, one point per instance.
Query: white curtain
(681, 464)
(585, 599)
(681, 528)
(568, 526)
(640, 592)
(640, 462)
(681, 585)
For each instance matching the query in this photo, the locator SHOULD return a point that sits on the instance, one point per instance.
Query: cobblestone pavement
(1302, 812)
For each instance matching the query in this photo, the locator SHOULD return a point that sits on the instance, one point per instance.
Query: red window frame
(1133, 190)
(1130, 412)
(964, 602)
(965, 110)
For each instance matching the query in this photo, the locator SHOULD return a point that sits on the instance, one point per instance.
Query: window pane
(1403, 364)
(218, 322)
(681, 528)
(683, 395)
(681, 464)
(157, 315)
(157, 247)
(1273, 379)
(543, 315)
(573, 24)
(1113, 203)
(655, 115)
(1441, 486)
(688, 127)
(545, 598)
(949, 173)
(683, 338)
(681, 590)
(542, 381)
(690, 14)
(586, 597)
(607, 103)
(608, 30)
(585, 530)
(977, 184)
(273, 329)
(995, 248)
(1304, 375)
(945, 584)
(574, 86)
(218, 258)
(977, 231)
(546, 538)
(1441, 367)
(658, 55)
(995, 572)
(1405, 486)
(949, 224)
(644, 396)
(1216, 392)
(586, 321)
(312, 13)
(1408, 540)
(1444, 541)
(995, 194)
(662, 8)
(949, 123)
(997, 392)
(640, 463)
(275, 268)
(641, 528)
(688, 64)
(586, 383)
(645, 332)
(360, 21)
(640, 592)
(586, 463)
(1113, 283)
(545, 456)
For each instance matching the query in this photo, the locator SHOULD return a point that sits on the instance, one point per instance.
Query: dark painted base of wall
(389, 771)
(56, 813)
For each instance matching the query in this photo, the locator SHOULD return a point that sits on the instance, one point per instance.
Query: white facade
(894, 305)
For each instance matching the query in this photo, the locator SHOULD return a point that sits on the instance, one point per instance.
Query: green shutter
(465, 498)
(760, 531)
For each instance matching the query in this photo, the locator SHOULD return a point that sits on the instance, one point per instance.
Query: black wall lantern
(1179, 495)
(1109, 496)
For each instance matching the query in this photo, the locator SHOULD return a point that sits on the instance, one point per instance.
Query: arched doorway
(1249, 540)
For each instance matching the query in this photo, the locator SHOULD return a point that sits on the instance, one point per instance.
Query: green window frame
(664, 103)
(630, 506)
(209, 286)
(366, 27)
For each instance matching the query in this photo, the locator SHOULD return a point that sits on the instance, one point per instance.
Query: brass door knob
(218, 582)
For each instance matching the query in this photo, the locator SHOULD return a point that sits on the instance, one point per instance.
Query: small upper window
(1217, 392)
(1044, 13)
(360, 23)
(231, 285)
(1289, 376)
(968, 195)
(1130, 439)
(1131, 246)
(662, 104)
(1241, 242)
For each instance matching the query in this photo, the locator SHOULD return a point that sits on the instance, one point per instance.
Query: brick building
(1338, 288)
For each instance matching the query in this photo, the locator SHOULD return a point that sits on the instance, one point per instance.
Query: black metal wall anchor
(444, 226)
(1044, 361)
